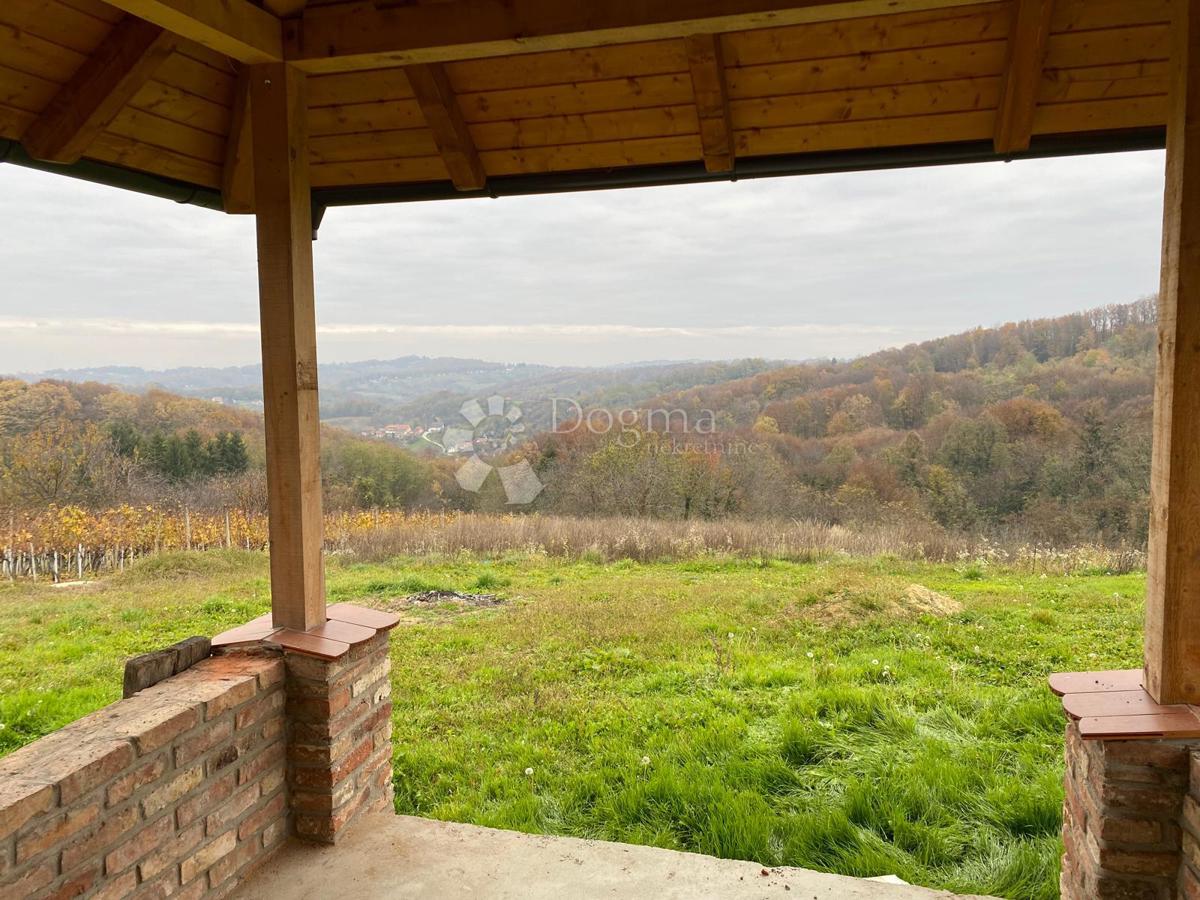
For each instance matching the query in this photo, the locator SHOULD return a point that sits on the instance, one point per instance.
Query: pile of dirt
(436, 598)
(846, 607)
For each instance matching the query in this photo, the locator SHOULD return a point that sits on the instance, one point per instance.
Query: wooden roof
(436, 96)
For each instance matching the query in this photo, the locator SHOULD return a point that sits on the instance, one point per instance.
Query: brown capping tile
(250, 633)
(1092, 682)
(1169, 725)
(344, 632)
(365, 616)
(308, 643)
(1115, 703)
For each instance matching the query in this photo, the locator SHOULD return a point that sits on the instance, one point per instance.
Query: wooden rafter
(1023, 74)
(236, 28)
(285, 8)
(712, 100)
(442, 113)
(237, 176)
(101, 87)
(368, 34)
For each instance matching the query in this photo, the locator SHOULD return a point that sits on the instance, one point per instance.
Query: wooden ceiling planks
(927, 76)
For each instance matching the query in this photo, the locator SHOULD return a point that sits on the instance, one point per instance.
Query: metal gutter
(609, 179)
(746, 168)
(116, 176)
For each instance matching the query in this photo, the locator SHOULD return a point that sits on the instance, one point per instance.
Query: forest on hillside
(1037, 431)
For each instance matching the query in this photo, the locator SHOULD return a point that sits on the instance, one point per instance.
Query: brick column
(340, 737)
(1125, 802)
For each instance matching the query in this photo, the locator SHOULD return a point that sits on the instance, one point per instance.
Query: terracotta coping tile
(250, 633)
(344, 632)
(347, 625)
(1115, 703)
(308, 643)
(1092, 682)
(1184, 724)
(1113, 706)
(362, 615)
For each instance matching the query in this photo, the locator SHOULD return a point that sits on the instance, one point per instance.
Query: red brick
(167, 731)
(181, 844)
(318, 708)
(225, 868)
(207, 856)
(205, 739)
(1108, 888)
(127, 785)
(271, 675)
(1150, 800)
(20, 801)
(195, 807)
(1130, 831)
(56, 830)
(30, 882)
(266, 706)
(237, 692)
(1139, 862)
(227, 813)
(111, 828)
(171, 792)
(1146, 753)
(165, 885)
(117, 888)
(1189, 884)
(374, 720)
(76, 885)
(268, 759)
(326, 828)
(134, 846)
(256, 821)
(107, 760)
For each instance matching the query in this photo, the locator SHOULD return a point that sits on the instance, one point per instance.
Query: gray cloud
(816, 266)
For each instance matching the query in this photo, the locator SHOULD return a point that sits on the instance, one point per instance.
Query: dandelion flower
(730, 635)
(645, 760)
(809, 654)
(529, 771)
(874, 662)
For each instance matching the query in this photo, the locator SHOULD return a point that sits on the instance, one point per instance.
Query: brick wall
(340, 753)
(1129, 819)
(174, 791)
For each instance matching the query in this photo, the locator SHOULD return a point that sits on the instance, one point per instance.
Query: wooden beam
(285, 8)
(367, 34)
(1172, 635)
(442, 113)
(106, 81)
(712, 100)
(236, 28)
(237, 176)
(289, 343)
(1022, 74)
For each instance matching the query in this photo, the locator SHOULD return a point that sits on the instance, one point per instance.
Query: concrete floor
(387, 856)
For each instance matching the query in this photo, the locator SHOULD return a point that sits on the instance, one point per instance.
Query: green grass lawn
(788, 713)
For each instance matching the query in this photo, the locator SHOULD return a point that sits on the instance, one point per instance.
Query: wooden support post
(1172, 644)
(289, 343)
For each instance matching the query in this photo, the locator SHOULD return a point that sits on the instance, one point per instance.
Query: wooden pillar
(1172, 648)
(289, 343)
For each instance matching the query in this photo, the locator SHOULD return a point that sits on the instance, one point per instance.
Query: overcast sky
(792, 268)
